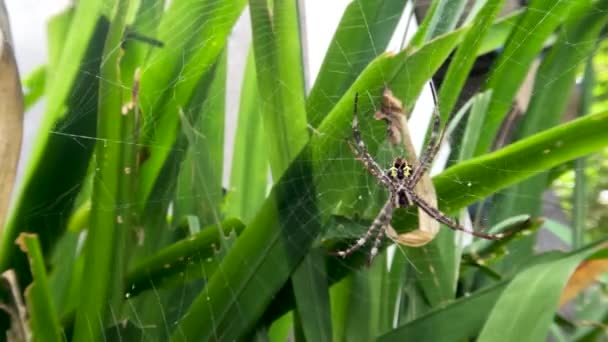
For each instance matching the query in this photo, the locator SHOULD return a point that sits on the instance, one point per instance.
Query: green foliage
(137, 237)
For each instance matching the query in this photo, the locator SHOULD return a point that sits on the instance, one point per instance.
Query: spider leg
(442, 218)
(429, 153)
(360, 151)
(370, 164)
(383, 218)
(376, 246)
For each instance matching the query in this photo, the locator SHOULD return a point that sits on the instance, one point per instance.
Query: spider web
(156, 312)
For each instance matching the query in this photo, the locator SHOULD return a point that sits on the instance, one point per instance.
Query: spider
(400, 180)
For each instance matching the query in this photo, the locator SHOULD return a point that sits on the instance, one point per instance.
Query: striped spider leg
(430, 152)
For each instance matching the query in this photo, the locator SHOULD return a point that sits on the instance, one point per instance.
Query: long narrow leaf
(61, 168)
(171, 262)
(459, 320)
(525, 309)
(363, 33)
(539, 21)
(280, 80)
(44, 321)
(199, 190)
(463, 60)
(105, 223)
(169, 78)
(556, 75)
(249, 161)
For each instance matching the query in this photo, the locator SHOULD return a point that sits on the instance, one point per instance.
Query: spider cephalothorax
(401, 180)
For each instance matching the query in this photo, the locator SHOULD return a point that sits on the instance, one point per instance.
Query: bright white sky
(28, 26)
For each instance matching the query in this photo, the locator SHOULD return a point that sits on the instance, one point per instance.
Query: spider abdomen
(402, 200)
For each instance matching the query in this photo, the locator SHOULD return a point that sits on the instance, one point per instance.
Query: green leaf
(556, 75)
(463, 60)
(66, 274)
(105, 238)
(141, 33)
(280, 329)
(249, 173)
(61, 168)
(44, 321)
(82, 27)
(434, 265)
(169, 78)
(525, 309)
(283, 236)
(460, 320)
(276, 40)
(363, 33)
(339, 296)
(356, 303)
(579, 193)
(260, 262)
(484, 175)
(539, 21)
(393, 281)
(473, 127)
(311, 289)
(229, 299)
(445, 17)
(364, 303)
(58, 28)
(62, 78)
(422, 34)
(500, 31)
(34, 85)
(199, 189)
(172, 262)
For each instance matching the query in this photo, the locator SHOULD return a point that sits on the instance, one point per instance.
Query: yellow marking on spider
(393, 172)
(407, 170)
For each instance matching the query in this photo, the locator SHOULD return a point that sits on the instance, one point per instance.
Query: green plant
(123, 200)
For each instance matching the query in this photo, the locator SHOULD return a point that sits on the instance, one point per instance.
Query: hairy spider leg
(360, 151)
(376, 246)
(429, 153)
(376, 228)
(442, 218)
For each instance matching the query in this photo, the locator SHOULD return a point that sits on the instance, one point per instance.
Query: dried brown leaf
(585, 275)
(11, 117)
